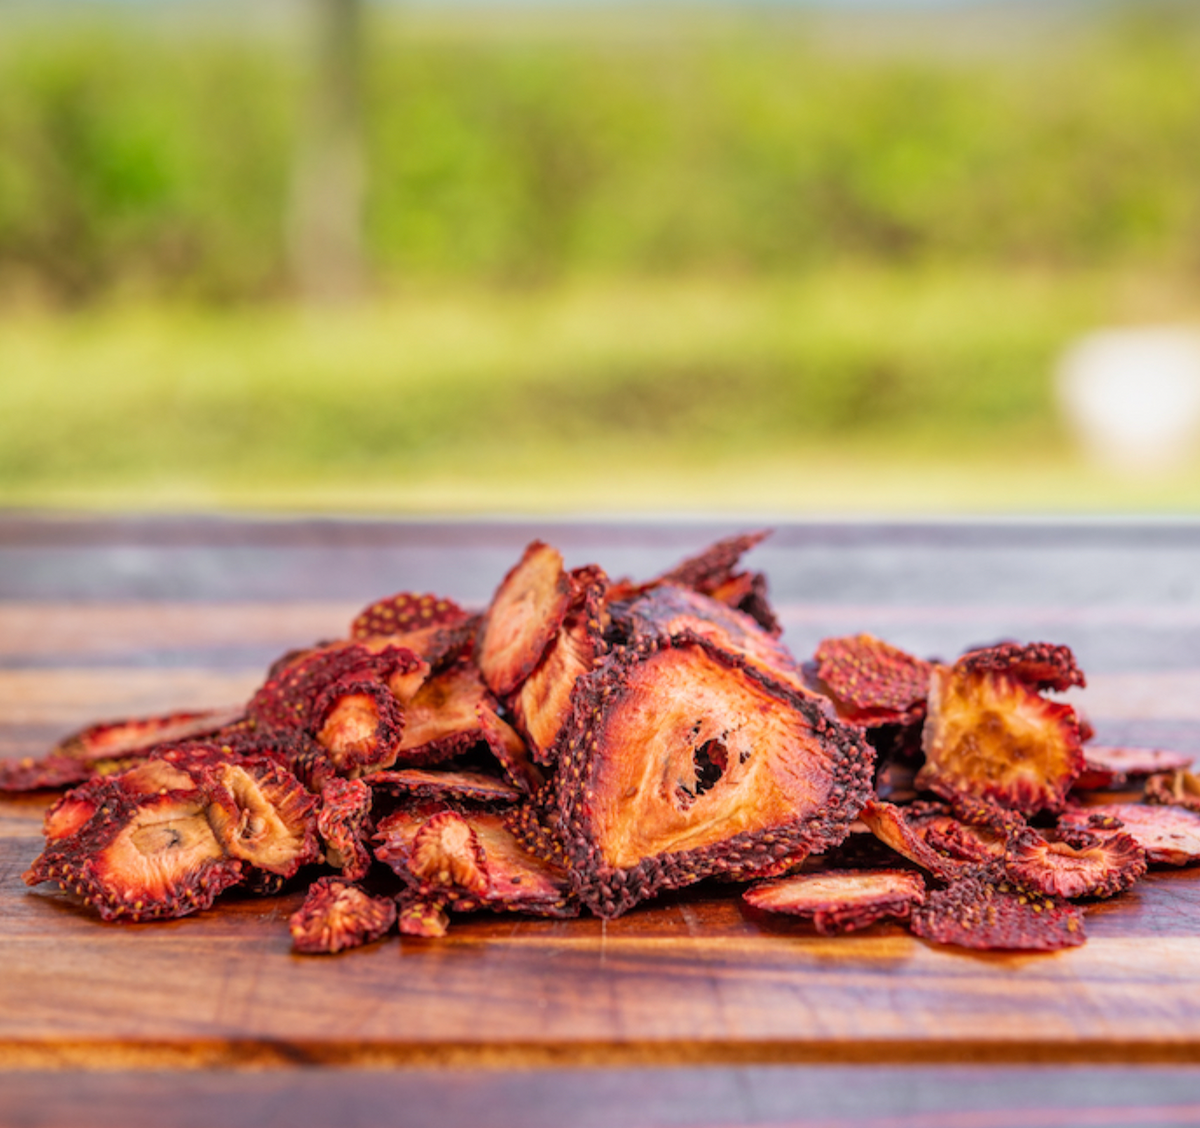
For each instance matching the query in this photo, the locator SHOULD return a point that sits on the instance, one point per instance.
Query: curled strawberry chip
(1073, 863)
(872, 682)
(990, 736)
(343, 825)
(1178, 788)
(1108, 766)
(1169, 835)
(523, 618)
(262, 814)
(469, 859)
(336, 915)
(405, 612)
(975, 913)
(1040, 665)
(842, 900)
(894, 827)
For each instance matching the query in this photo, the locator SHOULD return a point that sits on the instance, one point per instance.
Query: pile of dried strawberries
(589, 743)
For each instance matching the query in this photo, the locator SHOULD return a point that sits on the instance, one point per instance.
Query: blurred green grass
(146, 155)
(853, 390)
(728, 261)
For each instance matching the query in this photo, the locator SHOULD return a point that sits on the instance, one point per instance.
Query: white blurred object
(1134, 395)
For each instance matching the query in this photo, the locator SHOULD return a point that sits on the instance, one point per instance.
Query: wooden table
(684, 1013)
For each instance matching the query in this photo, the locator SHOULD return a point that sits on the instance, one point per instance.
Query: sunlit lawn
(857, 391)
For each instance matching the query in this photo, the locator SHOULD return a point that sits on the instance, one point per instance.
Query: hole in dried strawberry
(711, 760)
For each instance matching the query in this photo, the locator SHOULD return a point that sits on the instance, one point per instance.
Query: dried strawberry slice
(523, 618)
(359, 724)
(747, 593)
(842, 900)
(421, 916)
(684, 761)
(670, 611)
(336, 915)
(542, 705)
(141, 856)
(973, 913)
(1108, 766)
(1177, 788)
(437, 646)
(469, 859)
(445, 854)
(1169, 835)
(990, 736)
(96, 748)
(262, 814)
(298, 696)
(892, 826)
(343, 824)
(444, 784)
(506, 745)
(404, 612)
(872, 682)
(1074, 863)
(714, 567)
(1041, 665)
(964, 841)
(442, 719)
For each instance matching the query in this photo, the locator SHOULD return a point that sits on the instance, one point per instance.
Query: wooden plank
(799, 1097)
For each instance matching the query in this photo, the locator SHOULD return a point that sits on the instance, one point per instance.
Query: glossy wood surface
(104, 618)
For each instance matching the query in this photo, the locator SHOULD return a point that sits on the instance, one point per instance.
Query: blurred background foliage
(622, 257)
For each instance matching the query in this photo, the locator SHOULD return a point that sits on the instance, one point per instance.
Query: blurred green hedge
(154, 157)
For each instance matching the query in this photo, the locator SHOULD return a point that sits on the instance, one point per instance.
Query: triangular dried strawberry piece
(683, 761)
(894, 827)
(713, 568)
(842, 900)
(872, 682)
